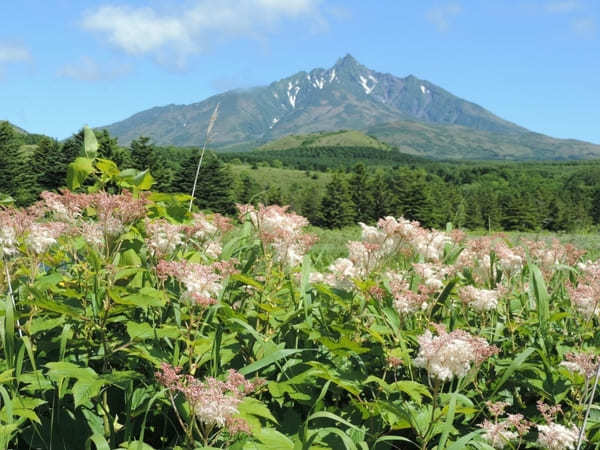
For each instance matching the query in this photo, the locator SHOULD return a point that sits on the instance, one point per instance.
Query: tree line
(509, 196)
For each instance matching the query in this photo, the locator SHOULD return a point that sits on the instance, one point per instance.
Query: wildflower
(405, 300)
(583, 363)
(479, 299)
(42, 236)
(204, 283)
(433, 274)
(281, 230)
(554, 436)
(212, 401)
(451, 355)
(498, 434)
(163, 237)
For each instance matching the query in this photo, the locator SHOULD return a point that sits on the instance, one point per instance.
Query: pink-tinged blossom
(42, 236)
(498, 434)
(280, 230)
(585, 298)
(8, 241)
(212, 401)
(204, 283)
(479, 299)
(450, 355)
(163, 237)
(406, 301)
(433, 275)
(584, 364)
(554, 436)
(66, 206)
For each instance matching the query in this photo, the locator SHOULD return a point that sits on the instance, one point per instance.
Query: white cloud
(562, 6)
(10, 53)
(181, 30)
(585, 27)
(87, 69)
(442, 15)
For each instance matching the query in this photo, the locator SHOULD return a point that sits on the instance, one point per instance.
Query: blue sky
(65, 63)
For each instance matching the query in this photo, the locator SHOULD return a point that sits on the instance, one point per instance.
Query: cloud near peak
(145, 30)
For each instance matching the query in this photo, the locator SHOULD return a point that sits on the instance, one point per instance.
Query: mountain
(347, 96)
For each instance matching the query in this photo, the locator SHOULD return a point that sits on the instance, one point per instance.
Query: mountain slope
(459, 142)
(348, 95)
(344, 138)
(416, 115)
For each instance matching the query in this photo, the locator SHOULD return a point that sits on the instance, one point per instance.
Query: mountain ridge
(347, 95)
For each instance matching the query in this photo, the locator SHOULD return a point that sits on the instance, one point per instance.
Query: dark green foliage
(361, 196)
(49, 164)
(10, 159)
(215, 183)
(337, 208)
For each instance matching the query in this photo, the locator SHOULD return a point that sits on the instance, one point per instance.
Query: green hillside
(458, 142)
(342, 138)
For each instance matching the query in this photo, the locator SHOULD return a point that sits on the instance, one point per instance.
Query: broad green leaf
(78, 171)
(64, 369)
(86, 389)
(273, 439)
(90, 143)
(107, 167)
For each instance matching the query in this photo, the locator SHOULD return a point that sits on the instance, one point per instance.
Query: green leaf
(64, 369)
(272, 439)
(86, 389)
(144, 298)
(90, 143)
(538, 291)
(107, 167)
(517, 362)
(253, 407)
(270, 359)
(78, 171)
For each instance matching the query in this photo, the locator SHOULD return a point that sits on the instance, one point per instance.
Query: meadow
(129, 322)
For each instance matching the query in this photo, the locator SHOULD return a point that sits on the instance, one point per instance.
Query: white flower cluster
(557, 437)
(451, 354)
(42, 236)
(8, 241)
(479, 299)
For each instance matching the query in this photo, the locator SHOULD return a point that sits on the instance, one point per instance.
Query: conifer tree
(215, 183)
(361, 194)
(10, 159)
(49, 164)
(337, 208)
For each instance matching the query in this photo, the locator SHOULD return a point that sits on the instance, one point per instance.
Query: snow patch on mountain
(364, 82)
(332, 76)
(292, 96)
(424, 90)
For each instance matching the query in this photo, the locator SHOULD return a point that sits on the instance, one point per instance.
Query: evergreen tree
(49, 164)
(361, 194)
(337, 208)
(141, 150)
(10, 160)
(107, 146)
(378, 190)
(214, 190)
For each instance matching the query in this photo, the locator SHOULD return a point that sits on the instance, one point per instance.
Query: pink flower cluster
(499, 433)
(479, 299)
(204, 283)
(406, 301)
(450, 355)
(585, 364)
(212, 401)
(280, 230)
(552, 435)
(585, 297)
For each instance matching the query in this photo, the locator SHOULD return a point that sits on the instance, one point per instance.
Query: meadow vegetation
(127, 322)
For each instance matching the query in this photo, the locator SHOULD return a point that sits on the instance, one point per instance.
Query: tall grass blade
(211, 123)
